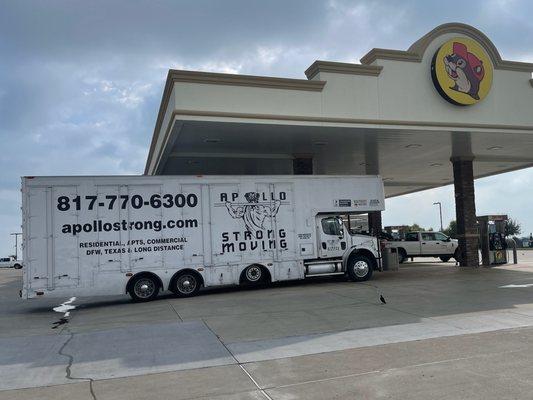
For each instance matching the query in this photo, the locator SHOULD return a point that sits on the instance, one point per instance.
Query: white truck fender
(368, 251)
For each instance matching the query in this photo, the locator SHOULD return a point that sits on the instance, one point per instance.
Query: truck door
(412, 244)
(429, 244)
(332, 241)
(443, 244)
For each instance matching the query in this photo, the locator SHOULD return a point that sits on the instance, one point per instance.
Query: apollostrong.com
(101, 226)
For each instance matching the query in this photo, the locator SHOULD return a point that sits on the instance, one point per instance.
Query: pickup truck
(425, 244)
(10, 262)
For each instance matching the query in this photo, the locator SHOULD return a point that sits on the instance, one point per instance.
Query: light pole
(440, 214)
(16, 244)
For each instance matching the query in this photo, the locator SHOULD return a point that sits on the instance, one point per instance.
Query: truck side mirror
(341, 226)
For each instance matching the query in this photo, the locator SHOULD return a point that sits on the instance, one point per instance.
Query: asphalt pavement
(444, 333)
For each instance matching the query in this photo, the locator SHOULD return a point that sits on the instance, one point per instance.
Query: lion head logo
(253, 213)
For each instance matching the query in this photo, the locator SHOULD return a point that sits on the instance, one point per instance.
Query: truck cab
(341, 251)
(335, 237)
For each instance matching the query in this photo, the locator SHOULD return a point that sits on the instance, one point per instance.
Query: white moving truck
(102, 235)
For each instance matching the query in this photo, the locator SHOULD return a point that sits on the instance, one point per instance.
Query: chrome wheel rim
(186, 284)
(253, 273)
(360, 269)
(144, 288)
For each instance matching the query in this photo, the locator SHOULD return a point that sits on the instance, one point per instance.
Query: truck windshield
(331, 226)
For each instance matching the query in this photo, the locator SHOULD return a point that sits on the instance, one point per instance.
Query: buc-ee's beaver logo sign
(462, 71)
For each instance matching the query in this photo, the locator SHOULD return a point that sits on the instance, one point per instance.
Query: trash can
(390, 260)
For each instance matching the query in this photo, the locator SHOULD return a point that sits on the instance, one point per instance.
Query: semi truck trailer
(141, 235)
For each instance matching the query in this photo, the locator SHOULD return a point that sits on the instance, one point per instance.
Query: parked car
(10, 262)
(426, 244)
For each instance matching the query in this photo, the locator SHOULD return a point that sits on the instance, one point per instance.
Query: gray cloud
(81, 82)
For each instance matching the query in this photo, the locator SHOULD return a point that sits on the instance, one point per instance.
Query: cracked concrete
(444, 333)
(68, 368)
(110, 353)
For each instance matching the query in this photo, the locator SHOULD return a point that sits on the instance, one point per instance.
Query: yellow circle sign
(462, 71)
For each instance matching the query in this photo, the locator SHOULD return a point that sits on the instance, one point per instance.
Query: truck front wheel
(144, 288)
(360, 268)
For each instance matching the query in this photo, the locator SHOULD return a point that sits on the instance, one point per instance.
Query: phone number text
(65, 203)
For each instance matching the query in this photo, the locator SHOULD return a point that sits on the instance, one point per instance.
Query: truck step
(330, 274)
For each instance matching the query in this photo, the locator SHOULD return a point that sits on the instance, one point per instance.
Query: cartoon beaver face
(465, 69)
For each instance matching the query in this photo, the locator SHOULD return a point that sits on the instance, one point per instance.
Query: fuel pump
(492, 239)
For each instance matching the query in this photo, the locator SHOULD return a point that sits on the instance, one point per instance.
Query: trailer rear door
(51, 263)
(37, 223)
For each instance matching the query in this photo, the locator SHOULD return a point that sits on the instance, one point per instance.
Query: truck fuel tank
(323, 268)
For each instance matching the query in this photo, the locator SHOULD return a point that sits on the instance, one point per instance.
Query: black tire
(402, 256)
(144, 288)
(445, 258)
(360, 268)
(186, 284)
(253, 275)
(17, 266)
(456, 255)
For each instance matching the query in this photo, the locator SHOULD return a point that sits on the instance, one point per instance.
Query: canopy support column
(465, 210)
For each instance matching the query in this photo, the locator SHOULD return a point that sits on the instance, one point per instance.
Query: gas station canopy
(400, 114)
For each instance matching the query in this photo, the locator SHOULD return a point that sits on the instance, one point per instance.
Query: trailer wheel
(252, 274)
(144, 288)
(445, 258)
(360, 268)
(186, 284)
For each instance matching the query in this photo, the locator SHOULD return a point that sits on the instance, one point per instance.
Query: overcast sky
(81, 81)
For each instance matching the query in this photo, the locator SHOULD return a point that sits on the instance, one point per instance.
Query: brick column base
(465, 211)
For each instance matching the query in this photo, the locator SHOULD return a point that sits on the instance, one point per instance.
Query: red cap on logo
(475, 64)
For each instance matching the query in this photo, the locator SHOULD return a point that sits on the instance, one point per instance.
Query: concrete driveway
(444, 333)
